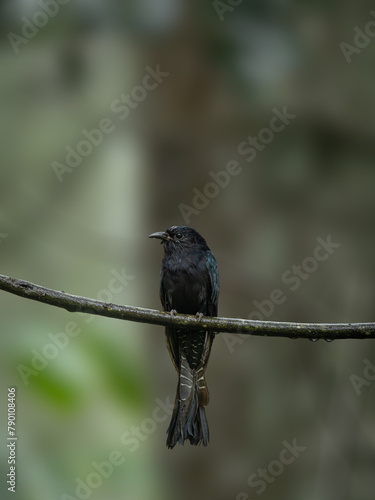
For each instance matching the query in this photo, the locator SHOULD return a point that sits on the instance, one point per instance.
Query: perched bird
(189, 284)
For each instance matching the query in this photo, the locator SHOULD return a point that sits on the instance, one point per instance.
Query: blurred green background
(98, 397)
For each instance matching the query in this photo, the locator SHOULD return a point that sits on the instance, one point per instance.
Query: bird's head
(180, 238)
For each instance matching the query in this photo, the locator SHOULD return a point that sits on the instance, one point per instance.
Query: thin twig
(75, 303)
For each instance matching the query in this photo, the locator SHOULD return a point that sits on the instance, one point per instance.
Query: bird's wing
(172, 345)
(213, 273)
(212, 302)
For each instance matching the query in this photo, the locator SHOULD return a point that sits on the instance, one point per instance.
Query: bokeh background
(228, 69)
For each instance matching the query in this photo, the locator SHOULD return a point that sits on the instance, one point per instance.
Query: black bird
(189, 284)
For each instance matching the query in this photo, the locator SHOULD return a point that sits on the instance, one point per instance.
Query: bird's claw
(199, 316)
(173, 312)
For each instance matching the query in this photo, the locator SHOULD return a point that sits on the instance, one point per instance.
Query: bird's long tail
(189, 417)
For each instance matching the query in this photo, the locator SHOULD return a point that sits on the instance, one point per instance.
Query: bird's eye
(178, 236)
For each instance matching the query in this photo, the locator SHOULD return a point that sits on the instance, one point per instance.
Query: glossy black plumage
(189, 283)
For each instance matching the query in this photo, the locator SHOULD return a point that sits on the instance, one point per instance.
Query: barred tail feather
(189, 420)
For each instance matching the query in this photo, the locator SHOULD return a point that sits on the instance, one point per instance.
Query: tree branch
(74, 303)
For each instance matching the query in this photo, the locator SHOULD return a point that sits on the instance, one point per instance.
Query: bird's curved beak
(161, 236)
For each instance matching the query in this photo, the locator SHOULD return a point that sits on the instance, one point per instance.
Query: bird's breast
(185, 283)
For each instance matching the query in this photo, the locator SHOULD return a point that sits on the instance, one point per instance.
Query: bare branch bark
(75, 303)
